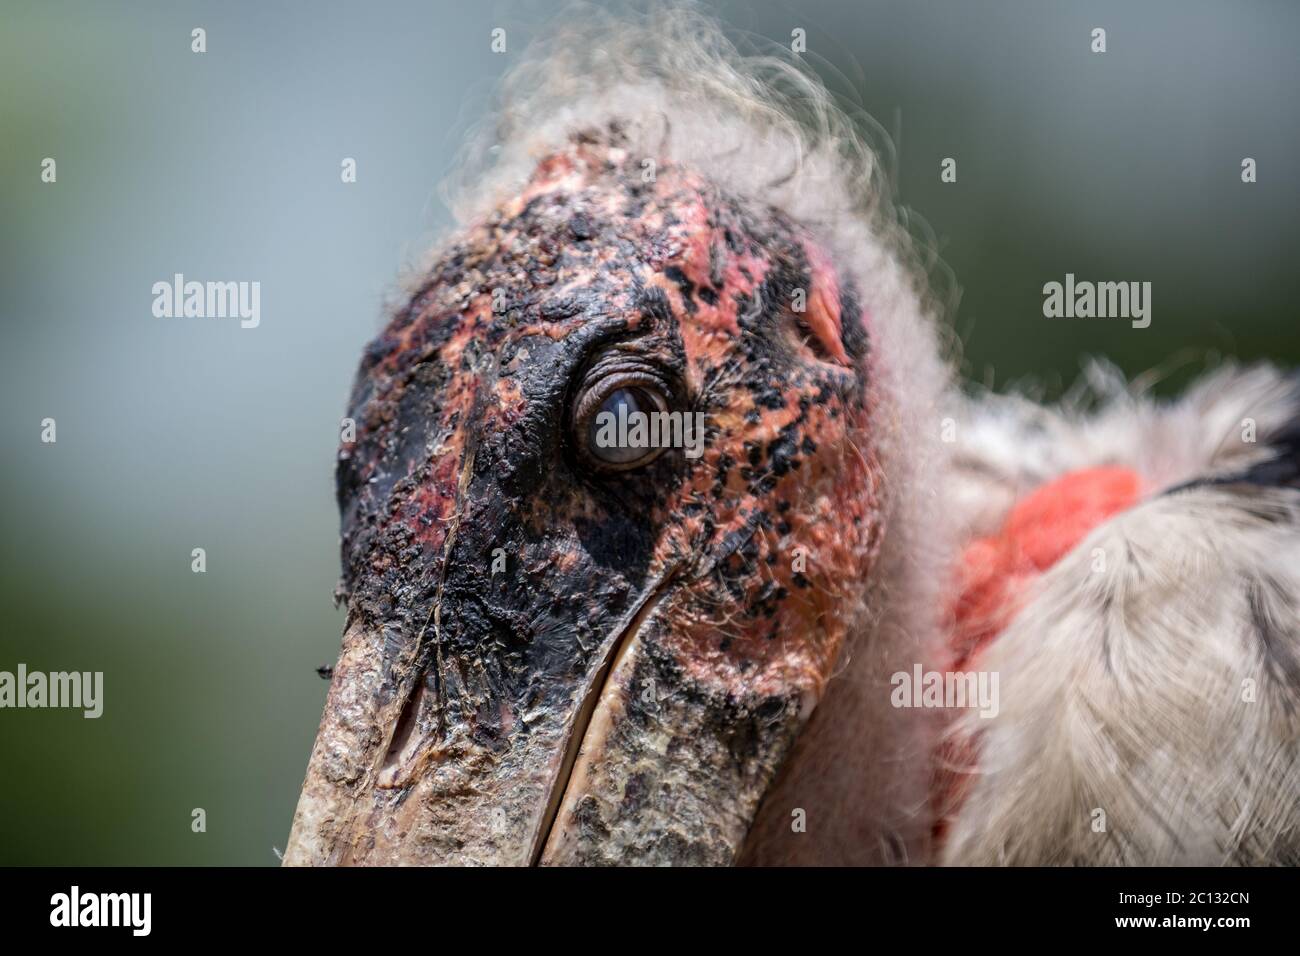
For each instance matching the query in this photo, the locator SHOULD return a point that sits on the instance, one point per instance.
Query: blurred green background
(181, 434)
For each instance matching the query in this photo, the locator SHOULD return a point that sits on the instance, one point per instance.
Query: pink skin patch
(1040, 530)
(823, 316)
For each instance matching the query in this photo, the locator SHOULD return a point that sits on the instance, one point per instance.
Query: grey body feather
(1150, 687)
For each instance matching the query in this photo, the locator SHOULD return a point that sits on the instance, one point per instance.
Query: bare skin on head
(624, 683)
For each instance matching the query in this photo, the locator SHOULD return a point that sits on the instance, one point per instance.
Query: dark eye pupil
(613, 435)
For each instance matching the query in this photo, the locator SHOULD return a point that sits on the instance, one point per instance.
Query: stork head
(567, 643)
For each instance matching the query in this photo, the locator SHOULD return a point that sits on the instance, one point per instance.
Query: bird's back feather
(1150, 680)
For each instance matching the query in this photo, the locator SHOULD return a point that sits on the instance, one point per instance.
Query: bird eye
(618, 421)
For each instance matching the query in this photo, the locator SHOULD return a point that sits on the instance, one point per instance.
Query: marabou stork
(563, 652)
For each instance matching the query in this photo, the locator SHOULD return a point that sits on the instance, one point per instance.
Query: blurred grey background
(176, 434)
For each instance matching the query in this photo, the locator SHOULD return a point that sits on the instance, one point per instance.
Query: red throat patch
(1040, 530)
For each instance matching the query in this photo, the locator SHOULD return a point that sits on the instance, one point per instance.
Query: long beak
(627, 764)
(666, 776)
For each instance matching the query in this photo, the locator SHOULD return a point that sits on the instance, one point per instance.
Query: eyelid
(618, 368)
(592, 396)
